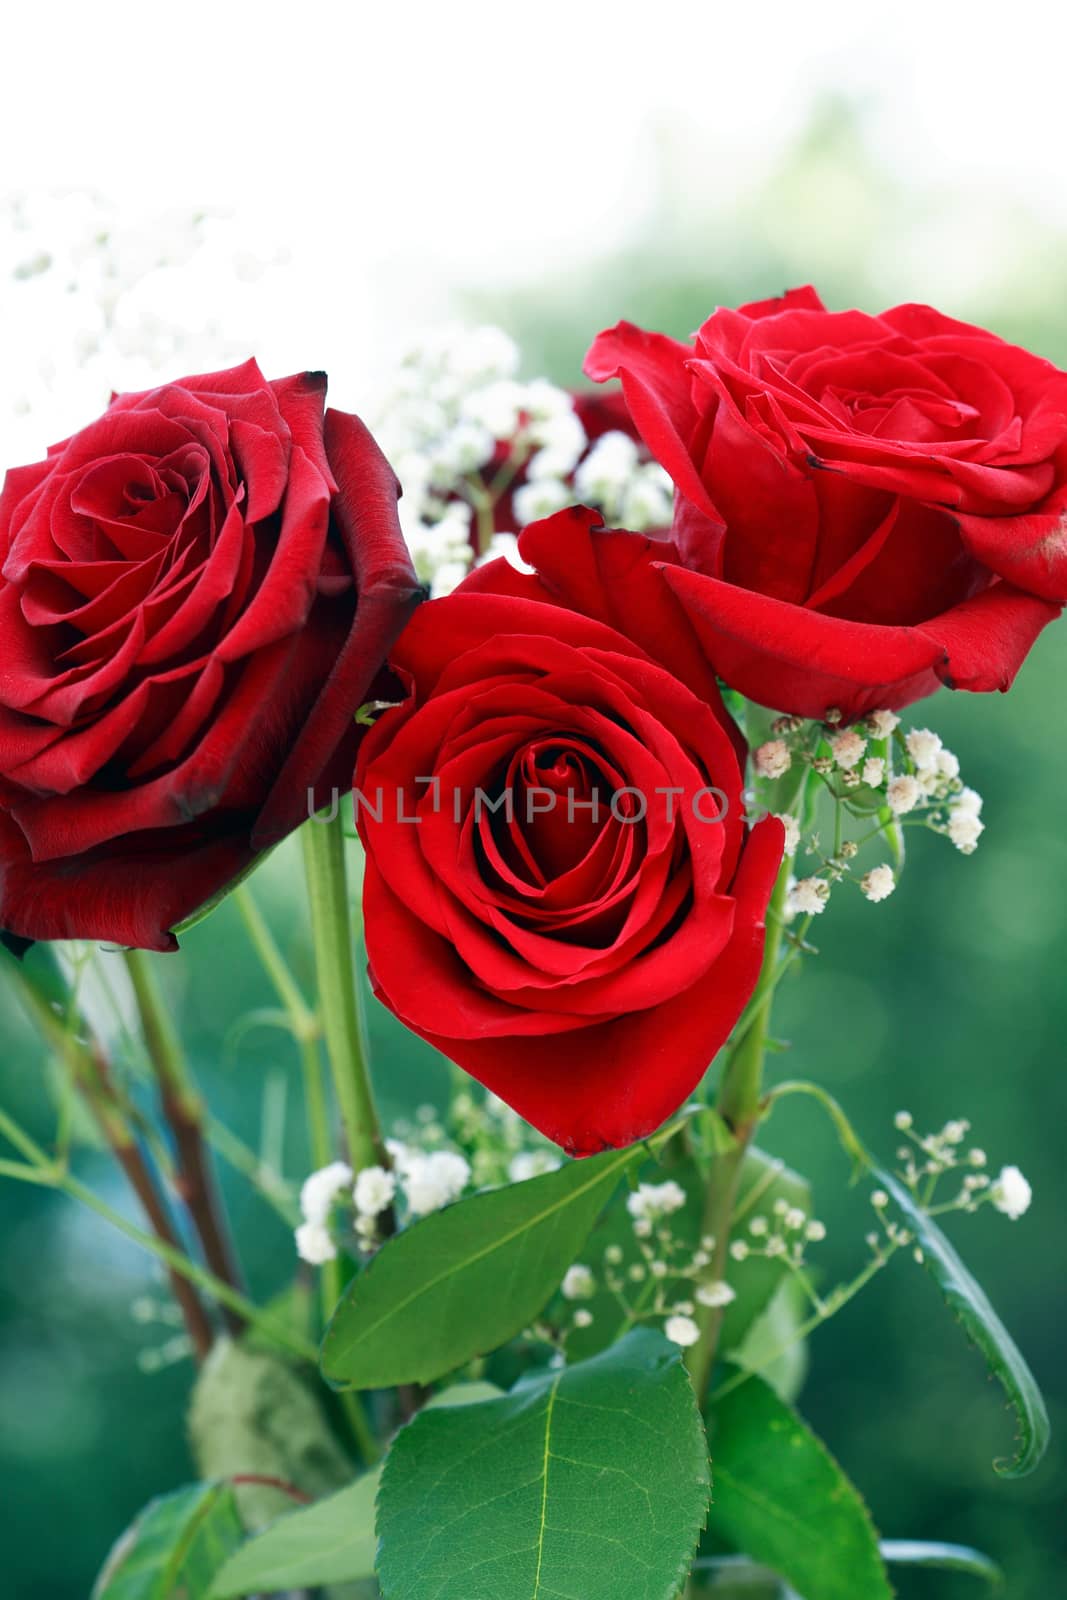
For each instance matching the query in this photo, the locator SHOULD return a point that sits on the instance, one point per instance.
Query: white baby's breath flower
(773, 759)
(432, 1181)
(505, 546)
(681, 1330)
(847, 748)
(313, 1243)
(653, 1200)
(883, 723)
(879, 883)
(320, 1189)
(969, 801)
(648, 501)
(578, 1284)
(541, 497)
(903, 794)
(544, 399)
(815, 1231)
(964, 829)
(792, 831)
(531, 1164)
(562, 440)
(496, 407)
(948, 765)
(374, 1191)
(447, 578)
(1011, 1193)
(873, 771)
(716, 1294)
(807, 897)
(903, 1121)
(583, 1318)
(602, 476)
(924, 747)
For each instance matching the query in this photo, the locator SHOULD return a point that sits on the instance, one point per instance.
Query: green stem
(184, 1112)
(739, 1105)
(342, 1015)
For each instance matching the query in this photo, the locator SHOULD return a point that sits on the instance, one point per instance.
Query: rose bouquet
(603, 714)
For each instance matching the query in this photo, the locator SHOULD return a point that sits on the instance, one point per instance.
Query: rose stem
(306, 1029)
(184, 1114)
(739, 1105)
(89, 1069)
(342, 1014)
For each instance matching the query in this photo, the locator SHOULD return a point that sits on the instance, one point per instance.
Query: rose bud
(561, 890)
(867, 506)
(197, 593)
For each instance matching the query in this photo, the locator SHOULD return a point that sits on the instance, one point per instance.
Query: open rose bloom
(868, 506)
(562, 892)
(197, 592)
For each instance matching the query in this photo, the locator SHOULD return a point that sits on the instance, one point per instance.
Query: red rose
(197, 591)
(867, 506)
(585, 947)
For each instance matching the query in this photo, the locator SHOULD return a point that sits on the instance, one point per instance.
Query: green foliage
(466, 1279)
(591, 1480)
(771, 1346)
(251, 1413)
(332, 1541)
(175, 1547)
(984, 1328)
(781, 1498)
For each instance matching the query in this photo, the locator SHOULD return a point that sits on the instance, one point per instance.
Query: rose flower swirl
(868, 507)
(561, 891)
(197, 592)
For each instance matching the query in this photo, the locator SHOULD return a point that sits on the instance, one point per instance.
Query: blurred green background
(948, 1000)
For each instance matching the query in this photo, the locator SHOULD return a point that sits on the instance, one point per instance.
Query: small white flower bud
(681, 1330)
(1011, 1193)
(965, 829)
(883, 723)
(578, 1284)
(313, 1244)
(716, 1294)
(773, 759)
(879, 883)
(815, 1231)
(848, 747)
(792, 832)
(374, 1191)
(924, 747)
(583, 1318)
(808, 897)
(903, 795)
(903, 1120)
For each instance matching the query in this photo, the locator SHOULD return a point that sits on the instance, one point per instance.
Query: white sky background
(360, 164)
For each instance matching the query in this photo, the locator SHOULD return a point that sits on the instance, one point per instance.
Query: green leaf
(591, 1481)
(944, 1557)
(332, 1541)
(772, 1347)
(175, 1547)
(466, 1279)
(764, 1180)
(782, 1499)
(984, 1328)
